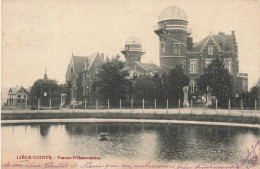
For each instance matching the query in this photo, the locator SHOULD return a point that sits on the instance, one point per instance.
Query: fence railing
(55, 103)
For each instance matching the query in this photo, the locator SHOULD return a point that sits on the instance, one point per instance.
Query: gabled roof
(15, 90)
(223, 42)
(198, 46)
(79, 62)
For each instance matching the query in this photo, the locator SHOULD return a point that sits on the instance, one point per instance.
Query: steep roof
(198, 46)
(79, 61)
(224, 42)
(15, 90)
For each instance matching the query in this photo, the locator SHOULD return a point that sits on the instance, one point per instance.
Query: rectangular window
(19, 96)
(193, 86)
(207, 62)
(176, 48)
(228, 65)
(24, 96)
(210, 50)
(193, 66)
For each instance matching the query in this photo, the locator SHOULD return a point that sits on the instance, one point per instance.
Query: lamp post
(135, 75)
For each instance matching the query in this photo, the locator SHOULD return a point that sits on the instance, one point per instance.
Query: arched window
(163, 48)
(210, 50)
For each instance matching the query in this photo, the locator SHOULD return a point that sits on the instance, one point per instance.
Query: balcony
(157, 27)
(133, 50)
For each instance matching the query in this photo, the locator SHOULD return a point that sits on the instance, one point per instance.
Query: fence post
(132, 105)
(229, 107)
(108, 105)
(97, 104)
(191, 106)
(155, 105)
(73, 105)
(143, 106)
(203, 107)
(26, 104)
(242, 107)
(13, 104)
(85, 104)
(120, 105)
(167, 105)
(50, 104)
(38, 105)
(216, 105)
(179, 105)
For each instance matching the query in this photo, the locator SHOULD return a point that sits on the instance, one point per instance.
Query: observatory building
(177, 48)
(133, 53)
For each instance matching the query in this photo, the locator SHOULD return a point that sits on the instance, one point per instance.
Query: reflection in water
(44, 129)
(159, 142)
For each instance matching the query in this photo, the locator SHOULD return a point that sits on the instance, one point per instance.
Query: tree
(175, 81)
(157, 84)
(144, 88)
(219, 80)
(113, 82)
(250, 97)
(53, 88)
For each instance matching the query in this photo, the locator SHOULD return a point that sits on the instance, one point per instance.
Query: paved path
(197, 111)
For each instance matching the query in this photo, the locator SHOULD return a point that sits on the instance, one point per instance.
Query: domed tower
(173, 33)
(133, 50)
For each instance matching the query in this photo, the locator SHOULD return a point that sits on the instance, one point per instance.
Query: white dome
(133, 40)
(173, 13)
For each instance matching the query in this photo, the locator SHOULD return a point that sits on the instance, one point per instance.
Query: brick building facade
(81, 73)
(177, 48)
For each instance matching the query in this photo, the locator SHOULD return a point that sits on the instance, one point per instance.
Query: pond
(142, 141)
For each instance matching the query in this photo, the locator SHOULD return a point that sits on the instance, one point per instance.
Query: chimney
(234, 41)
(189, 43)
(102, 56)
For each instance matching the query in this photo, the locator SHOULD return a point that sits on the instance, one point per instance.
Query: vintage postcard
(130, 84)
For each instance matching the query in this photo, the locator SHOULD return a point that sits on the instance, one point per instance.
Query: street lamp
(135, 76)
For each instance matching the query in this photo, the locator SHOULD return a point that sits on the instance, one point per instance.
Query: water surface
(157, 142)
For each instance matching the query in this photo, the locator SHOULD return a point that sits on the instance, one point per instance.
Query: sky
(44, 33)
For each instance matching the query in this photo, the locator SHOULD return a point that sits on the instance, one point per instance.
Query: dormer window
(210, 50)
(176, 48)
